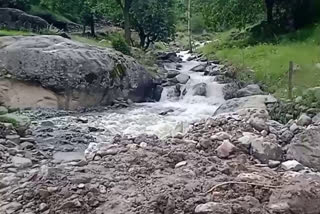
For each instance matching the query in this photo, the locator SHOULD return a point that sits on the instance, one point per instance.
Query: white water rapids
(146, 118)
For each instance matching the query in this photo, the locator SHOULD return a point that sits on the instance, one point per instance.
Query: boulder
(292, 165)
(212, 70)
(14, 19)
(20, 123)
(249, 90)
(213, 207)
(20, 162)
(316, 119)
(230, 90)
(55, 72)
(259, 124)
(200, 89)
(169, 57)
(199, 68)
(182, 78)
(3, 110)
(225, 149)
(304, 120)
(158, 92)
(172, 73)
(265, 151)
(251, 102)
(305, 148)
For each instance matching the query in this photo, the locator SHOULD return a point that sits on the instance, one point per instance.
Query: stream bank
(169, 157)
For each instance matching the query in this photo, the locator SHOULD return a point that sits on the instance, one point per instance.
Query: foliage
(197, 24)
(14, 33)
(154, 20)
(119, 44)
(19, 4)
(99, 42)
(270, 61)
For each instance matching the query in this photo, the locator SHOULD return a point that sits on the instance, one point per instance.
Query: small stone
(143, 145)
(102, 189)
(264, 133)
(180, 164)
(292, 165)
(43, 207)
(82, 120)
(27, 145)
(273, 164)
(14, 138)
(225, 149)
(20, 162)
(221, 136)
(294, 127)
(213, 208)
(47, 123)
(28, 139)
(304, 120)
(259, 124)
(81, 186)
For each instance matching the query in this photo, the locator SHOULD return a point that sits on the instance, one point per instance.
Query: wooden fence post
(290, 95)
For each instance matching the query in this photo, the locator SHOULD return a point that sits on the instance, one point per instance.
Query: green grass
(15, 33)
(103, 43)
(38, 11)
(270, 62)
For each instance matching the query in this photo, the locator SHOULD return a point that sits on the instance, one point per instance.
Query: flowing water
(146, 118)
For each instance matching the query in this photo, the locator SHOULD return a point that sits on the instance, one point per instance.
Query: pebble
(43, 207)
(180, 164)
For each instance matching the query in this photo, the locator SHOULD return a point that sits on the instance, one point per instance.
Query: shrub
(197, 24)
(119, 44)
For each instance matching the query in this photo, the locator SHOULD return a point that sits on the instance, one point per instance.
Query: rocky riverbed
(222, 157)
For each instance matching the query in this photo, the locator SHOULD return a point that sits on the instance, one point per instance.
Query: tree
(189, 26)
(19, 4)
(154, 20)
(126, 6)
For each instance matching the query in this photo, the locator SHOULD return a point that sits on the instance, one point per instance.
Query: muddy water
(146, 118)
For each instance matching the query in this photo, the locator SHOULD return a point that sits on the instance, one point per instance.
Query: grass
(270, 61)
(15, 33)
(103, 43)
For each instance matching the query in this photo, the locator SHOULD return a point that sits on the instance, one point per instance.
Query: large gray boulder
(51, 71)
(249, 90)
(15, 19)
(200, 89)
(305, 148)
(182, 78)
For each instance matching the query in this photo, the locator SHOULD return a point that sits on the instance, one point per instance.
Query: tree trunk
(84, 30)
(126, 15)
(93, 33)
(269, 6)
(189, 25)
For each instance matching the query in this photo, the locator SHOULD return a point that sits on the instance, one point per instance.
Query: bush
(197, 24)
(119, 44)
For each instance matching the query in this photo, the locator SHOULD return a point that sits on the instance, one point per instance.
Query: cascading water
(147, 117)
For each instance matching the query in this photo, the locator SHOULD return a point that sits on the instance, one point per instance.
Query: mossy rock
(3, 110)
(20, 123)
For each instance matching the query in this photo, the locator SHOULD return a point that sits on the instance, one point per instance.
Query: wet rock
(169, 57)
(286, 136)
(14, 138)
(273, 164)
(47, 123)
(305, 148)
(182, 78)
(304, 120)
(43, 207)
(230, 90)
(166, 112)
(180, 164)
(3, 110)
(199, 68)
(11, 208)
(294, 127)
(27, 145)
(265, 151)
(316, 119)
(172, 73)
(249, 90)
(292, 165)
(225, 149)
(200, 89)
(20, 162)
(213, 207)
(157, 93)
(259, 124)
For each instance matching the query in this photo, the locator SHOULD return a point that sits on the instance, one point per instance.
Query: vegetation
(15, 33)
(119, 44)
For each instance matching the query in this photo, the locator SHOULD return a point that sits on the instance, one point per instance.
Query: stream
(148, 118)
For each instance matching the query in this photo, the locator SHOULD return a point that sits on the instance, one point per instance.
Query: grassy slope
(271, 61)
(15, 33)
